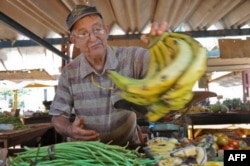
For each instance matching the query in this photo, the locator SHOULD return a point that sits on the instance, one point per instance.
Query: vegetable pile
(78, 153)
(15, 121)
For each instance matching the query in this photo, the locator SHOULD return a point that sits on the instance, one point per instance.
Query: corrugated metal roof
(46, 19)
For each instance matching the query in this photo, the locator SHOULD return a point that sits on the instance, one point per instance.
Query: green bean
(108, 158)
(95, 156)
(91, 153)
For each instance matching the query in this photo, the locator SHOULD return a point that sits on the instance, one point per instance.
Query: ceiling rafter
(31, 10)
(220, 11)
(31, 35)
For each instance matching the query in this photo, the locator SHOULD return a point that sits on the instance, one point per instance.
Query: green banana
(166, 77)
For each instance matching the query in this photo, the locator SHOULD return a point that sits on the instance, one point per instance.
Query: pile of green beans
(80, 153)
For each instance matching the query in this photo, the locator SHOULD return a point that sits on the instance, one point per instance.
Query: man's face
(90, 35)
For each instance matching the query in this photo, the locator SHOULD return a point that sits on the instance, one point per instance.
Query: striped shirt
(78, 91)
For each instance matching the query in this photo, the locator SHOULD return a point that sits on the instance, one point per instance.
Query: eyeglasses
(97, 31)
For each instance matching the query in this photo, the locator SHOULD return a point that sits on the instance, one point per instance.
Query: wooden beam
(228, 68)
(234, 64)
(232, 74)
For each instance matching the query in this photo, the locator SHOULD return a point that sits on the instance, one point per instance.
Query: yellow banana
(179, 103)
(171, 161)
(174, 93)
(160, 58)
(121, 81)
(196, 69)
(187, 151)
(161, 148)
(191, 151)
(201, 156)
(172, 46)
(162, 49)
(157, 141)
(166, 77)
(157, 111)
(153, 65)
(153, 116)
(154, 39)
(193, 43)
(187, 38)
(139, 99)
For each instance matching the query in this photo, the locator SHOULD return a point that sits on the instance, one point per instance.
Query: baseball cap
(78, 12)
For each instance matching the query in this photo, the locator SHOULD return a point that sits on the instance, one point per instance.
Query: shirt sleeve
(133, 61)
(63, 102)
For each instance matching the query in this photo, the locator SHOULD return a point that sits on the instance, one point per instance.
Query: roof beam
(29, 43)
(56, 41)
(31, 35)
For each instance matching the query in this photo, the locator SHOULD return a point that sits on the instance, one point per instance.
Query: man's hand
(156, 30)
(79, 133)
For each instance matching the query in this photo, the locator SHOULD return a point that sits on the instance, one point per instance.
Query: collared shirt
(78, 91)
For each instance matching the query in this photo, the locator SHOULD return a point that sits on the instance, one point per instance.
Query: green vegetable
(78, 153)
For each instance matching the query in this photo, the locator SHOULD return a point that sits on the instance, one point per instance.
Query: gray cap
(78, 12)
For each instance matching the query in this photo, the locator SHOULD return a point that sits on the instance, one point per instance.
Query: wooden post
(246, 84)
(65, 48)
(15, 99)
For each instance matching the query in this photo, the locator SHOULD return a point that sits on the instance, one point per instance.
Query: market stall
(207, 121)
(18, 137)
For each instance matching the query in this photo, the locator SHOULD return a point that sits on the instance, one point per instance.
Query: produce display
(80, 153)
(217, 108)
(177, 61)
(224, 142)
(236, 104)
(159, 151)
(173, 152)
(8, 119)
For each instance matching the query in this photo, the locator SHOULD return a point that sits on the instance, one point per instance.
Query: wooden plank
(234, 48)
(11, 138)
(20, 75)
(228, 68)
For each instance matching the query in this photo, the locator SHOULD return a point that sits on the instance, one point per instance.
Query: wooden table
(17, 137)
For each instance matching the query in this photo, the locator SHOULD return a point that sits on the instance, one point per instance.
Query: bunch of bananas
(161, 147)
(177, 61)
(170, 152)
